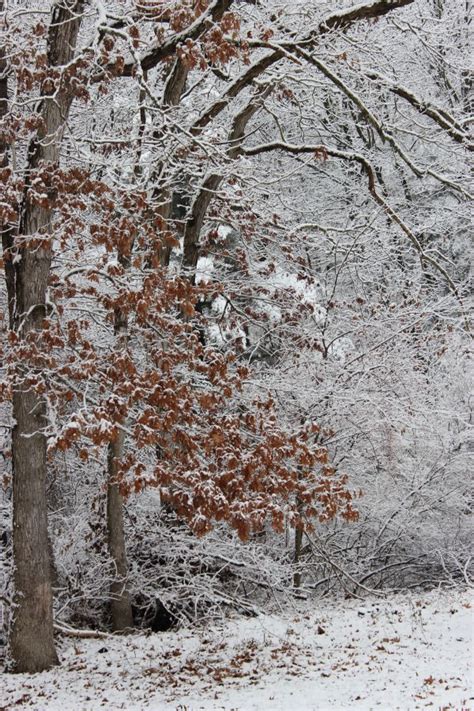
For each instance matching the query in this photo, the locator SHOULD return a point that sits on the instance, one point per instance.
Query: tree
(27, 256)
(167, 304)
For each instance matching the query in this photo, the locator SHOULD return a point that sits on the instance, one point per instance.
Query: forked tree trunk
(31, 640)
(208, 189)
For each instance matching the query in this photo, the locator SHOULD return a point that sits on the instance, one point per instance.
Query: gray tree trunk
(120, 600)
(31, 639)
(297, 557)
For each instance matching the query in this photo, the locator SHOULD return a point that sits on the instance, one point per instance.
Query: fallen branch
(68, 631)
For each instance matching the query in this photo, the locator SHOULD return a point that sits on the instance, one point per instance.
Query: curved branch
(323, 152)
(363, 11)
(440, 116)
(385, 135)
(337, 21)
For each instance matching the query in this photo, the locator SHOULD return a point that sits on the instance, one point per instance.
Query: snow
(410, 651)
(205, 268)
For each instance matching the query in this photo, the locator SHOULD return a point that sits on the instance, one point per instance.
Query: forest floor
(404, 652)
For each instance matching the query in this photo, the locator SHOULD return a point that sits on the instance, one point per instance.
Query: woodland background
(236, 252)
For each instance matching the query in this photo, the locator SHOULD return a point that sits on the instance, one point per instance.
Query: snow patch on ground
(406, 652)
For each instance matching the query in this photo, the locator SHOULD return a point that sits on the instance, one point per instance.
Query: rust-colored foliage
(214, 453)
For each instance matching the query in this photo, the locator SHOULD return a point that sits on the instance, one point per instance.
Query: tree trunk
(297, 577)
(6, 229)
(120, 601)
(297, 557)
(31, 640)
(208, 189)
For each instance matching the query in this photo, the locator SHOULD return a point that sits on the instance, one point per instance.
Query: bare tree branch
(337, 21)
(322, 152)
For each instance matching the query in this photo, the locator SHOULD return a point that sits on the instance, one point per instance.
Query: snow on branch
(322, 152)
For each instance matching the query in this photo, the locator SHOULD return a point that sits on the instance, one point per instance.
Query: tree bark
(297, 557)
(6, 228)
(120, 600)
(31, 639)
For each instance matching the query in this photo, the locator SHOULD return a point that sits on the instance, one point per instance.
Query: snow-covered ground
(407, 652)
